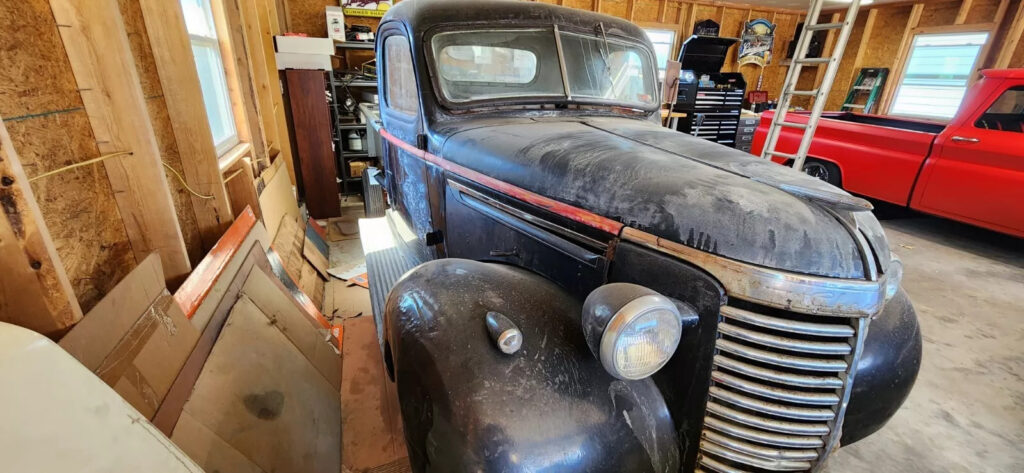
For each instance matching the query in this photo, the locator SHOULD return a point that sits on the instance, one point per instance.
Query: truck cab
(561, 284)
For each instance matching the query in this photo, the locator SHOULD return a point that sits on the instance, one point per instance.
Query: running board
(386, 261)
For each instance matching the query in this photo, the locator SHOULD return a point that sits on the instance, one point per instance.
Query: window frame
(431, 65)
(908, 48)
(388, 99)
(671, 46)
(220, 43)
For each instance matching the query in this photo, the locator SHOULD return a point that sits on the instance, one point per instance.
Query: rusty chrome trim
(836, 424)
(796, 292)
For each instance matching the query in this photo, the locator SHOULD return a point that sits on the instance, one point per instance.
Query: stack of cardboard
(239, 368)
(303, 253)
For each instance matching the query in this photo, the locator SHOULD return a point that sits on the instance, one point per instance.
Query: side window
(401, 92)
(1006, 113)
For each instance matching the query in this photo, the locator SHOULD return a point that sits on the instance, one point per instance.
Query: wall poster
(756, 43)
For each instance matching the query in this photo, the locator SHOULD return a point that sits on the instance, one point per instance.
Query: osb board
(618, 8)
(309, 16)
(77, 205)
(258, 393)
(369, 403)
(732, 27)
(846, 74)
(581, 4)
(35, 76)
(939, 14)
(49, 129)
(983, 11)
(886, 37)
(705, 12)
(647, 10)
(207, 449)
(149, 80)
(775, 73)
(165, 141)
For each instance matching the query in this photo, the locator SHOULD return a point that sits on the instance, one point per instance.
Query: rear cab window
(401, 93)
(1006, 113)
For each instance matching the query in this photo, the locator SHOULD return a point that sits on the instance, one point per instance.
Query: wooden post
(231, 31)
(896, 71)
(172, 52)
(961, 15)
(865, 39)
(269, 27)
(35, 292)
(662, 9)
(97, 47)
(1013, 39)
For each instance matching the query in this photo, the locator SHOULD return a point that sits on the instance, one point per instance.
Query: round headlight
(631, 329)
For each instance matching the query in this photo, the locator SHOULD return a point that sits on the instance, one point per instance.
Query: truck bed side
(881, 162)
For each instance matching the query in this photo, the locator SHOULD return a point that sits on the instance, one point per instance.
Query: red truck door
(976, 171)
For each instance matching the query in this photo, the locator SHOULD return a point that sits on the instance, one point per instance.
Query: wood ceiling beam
(1012, 40)
(176, 67)
(35, 291)
(97, 47)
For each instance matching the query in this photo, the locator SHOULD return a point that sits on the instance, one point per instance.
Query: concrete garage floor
(966, 412)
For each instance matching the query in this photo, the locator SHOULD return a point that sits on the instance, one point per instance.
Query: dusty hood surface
(666, 183)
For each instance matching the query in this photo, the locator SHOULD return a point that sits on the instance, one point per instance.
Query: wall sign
(756, 42)
(372, 8)
(706, 28)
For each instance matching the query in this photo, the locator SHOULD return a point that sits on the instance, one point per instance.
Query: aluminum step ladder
(789, 88)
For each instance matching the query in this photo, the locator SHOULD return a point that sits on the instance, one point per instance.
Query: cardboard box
(303, 45)
(134, 341)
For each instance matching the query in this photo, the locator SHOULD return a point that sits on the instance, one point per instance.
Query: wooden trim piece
(961, 15)
(198, 285)
(898, 63)
(1013, 39)
(97, 47)
(172, 52)
(257, 66)
(231, 157)
(35, 291)
(234, 34)
(662, 10)
(269, 28)
(573, 213)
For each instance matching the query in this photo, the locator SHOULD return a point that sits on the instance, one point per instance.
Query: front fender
(551, 407)
(887, 369)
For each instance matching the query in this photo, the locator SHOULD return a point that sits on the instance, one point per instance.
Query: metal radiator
(780, 385)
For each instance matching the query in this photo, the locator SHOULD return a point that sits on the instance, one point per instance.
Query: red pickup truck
(970, 169)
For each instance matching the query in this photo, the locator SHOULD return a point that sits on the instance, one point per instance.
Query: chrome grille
(778, 390)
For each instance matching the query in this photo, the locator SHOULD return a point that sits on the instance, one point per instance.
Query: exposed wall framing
(101, 60)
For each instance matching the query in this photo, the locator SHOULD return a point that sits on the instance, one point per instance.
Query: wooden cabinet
(311, 120)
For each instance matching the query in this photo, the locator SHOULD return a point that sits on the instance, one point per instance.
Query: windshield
(499, 64)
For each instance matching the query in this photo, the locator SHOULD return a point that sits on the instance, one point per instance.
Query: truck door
(976, 172)
(400, 112)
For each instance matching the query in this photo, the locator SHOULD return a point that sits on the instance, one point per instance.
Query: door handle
(965, 139)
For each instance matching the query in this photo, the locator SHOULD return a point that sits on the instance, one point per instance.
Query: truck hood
(672, 185)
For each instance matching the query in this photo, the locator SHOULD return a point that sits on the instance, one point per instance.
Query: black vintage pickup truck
(562, 285)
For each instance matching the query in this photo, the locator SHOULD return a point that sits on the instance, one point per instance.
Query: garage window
(662, 41)
(936, 74)
(206, 51)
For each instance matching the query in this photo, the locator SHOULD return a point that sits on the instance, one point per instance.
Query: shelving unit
(344, 121)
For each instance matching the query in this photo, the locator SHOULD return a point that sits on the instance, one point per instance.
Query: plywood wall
(135, 27)
(49, 128)
(882, 44)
